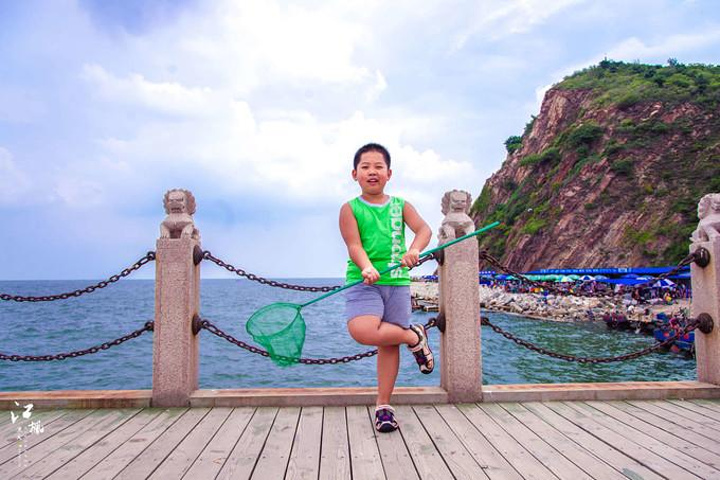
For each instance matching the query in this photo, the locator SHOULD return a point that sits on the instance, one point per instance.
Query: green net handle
(397, 265)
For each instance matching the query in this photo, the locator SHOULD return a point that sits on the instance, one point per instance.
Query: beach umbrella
(600, 277)
(630, 275)
(566, 279)
(664, 283)
(587, 278)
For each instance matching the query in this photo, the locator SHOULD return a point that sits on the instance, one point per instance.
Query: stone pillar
(706, 299)
(177, 301)
(461, 359)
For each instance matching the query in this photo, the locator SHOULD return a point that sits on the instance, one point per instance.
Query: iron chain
(148, 327)
(484, 255)
(149, 257)
(212, 328)
(272, 283)
(689, 326)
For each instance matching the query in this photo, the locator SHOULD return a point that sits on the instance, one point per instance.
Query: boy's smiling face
(372, 173)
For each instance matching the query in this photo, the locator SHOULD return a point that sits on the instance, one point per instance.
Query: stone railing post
(461, 358)
(706, 299)
(177, 300)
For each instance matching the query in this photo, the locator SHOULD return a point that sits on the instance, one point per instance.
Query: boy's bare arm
(351, 236)
(422, 235)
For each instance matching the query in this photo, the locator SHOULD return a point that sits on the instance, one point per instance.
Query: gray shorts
(388, 302)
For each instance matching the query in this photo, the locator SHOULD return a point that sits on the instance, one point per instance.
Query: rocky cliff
(610, 171)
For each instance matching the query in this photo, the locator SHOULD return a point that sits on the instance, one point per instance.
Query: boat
(669, 328)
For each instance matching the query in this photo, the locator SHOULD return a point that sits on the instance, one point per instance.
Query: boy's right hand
(370, 275)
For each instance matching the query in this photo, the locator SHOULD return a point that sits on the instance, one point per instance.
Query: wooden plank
(668, 416)
(396, 459)
(218, 449)
(521, 460)
(427, 459)
(47, 464)
(592, 465)
(677, 430)
(179, 461)
(624, 464)
(96, 453)
(653, 461)
(9, 432)
(492, 463)
(154, 454)
(670, 453)
(311, 397)
(709, 404)
(275, 455)
(675, 441)
(128, 451)
(46, 447)
(697, 407)
(243, 457)
(461, 463)
(704, 420)
(80, 399)
(364, 454)
(599, 391)
(304, 461)
(335, 452)
(10, 452)
(546, 454)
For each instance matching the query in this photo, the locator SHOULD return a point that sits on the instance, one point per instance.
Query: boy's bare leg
(370, 330)
(388, 363)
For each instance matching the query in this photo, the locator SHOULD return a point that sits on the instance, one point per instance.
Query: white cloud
(495, 20)
(243, 45)
(380, 85)
(135, 90)
(79, 193)
(20, 105)
(14, 184)
(634, 48)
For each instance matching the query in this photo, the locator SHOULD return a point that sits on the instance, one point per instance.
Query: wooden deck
(674, 439)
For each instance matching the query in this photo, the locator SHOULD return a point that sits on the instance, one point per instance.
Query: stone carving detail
(180, 207)
(455, 206)
(708, 228)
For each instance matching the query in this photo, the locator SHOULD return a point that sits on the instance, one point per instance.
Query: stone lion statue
(455, 206)
(708, 227)
(180, 207)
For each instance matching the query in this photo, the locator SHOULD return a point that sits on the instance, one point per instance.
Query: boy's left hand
(411, 258)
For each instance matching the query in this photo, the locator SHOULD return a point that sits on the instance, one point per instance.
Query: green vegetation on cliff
(625, 84)
(632, 139)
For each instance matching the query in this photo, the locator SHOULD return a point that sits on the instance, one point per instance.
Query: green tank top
(382, 233)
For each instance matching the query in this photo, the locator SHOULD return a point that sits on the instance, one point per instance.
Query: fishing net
(280, 329)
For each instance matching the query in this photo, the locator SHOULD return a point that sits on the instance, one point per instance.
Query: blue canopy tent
(623, 281)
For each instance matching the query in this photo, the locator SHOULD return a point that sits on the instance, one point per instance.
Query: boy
(378, 310)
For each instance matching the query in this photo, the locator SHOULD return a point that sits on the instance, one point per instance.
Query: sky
(257, 107)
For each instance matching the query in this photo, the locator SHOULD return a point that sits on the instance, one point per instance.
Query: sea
(92, 319)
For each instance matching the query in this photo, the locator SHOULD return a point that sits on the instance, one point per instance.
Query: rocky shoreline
(550, 307)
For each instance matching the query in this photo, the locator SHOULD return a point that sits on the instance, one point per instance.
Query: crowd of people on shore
(640, 294)
(561, 301)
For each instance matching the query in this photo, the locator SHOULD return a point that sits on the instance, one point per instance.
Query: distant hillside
(610, 171)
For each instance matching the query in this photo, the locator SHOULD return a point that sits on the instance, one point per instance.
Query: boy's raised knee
(364, 329)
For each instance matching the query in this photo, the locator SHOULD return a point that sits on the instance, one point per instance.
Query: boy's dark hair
(372, 147)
